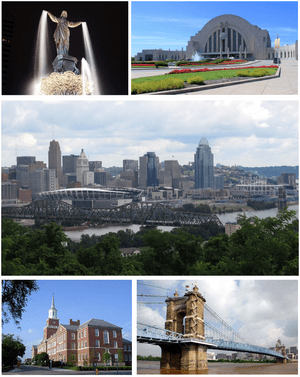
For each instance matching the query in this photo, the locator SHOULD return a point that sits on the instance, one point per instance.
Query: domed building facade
(227, 36)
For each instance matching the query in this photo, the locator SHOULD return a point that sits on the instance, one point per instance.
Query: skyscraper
(82, 166)
(54, 160)
(148, 170)
(204, 165)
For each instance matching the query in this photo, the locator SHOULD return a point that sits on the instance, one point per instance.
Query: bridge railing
(154, 332)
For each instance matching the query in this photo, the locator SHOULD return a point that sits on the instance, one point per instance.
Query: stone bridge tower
(185, 316)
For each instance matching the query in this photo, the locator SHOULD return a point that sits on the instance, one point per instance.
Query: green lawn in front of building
(209, 75)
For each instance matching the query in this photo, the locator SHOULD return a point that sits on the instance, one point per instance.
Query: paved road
(287, 83)
(29, 369)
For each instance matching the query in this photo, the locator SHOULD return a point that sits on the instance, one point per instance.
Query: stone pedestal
(65, 63)
(183, 359)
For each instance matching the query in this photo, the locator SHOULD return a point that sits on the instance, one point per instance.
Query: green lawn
(206, 75)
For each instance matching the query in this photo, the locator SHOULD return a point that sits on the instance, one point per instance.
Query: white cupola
(52, 310)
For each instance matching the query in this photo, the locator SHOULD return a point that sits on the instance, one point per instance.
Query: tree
(12, 348)
(72, 359)
(42, 357)
(106, 357)
(14, 298)
(120, 356)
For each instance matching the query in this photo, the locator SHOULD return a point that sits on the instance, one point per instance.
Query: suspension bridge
(192, 327)
(143, 213)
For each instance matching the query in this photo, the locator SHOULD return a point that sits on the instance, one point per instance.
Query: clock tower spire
(52, 322)
(52, 310)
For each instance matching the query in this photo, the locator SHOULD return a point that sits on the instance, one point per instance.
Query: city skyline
(169, 25)
(74, 299)
(255, 133)
(261, 311)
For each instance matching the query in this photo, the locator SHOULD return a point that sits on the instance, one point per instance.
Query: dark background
(108, 27)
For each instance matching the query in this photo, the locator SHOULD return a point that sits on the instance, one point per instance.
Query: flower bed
(177, 71)
(214, 62)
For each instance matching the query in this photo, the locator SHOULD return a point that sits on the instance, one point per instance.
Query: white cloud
(249, 133)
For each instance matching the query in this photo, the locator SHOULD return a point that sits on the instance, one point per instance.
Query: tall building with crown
(84, 344)
(82, 167)
(204, 165)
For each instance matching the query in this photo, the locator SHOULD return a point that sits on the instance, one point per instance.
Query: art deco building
(226, 36)
(204, 165)
(84, 343)
(82, 166)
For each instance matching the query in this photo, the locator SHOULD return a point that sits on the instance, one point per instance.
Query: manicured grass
(214, 75)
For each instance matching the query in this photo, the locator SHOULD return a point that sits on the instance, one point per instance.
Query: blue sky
(109, 300)
(259, 310)
(170, 24)
(242, 132)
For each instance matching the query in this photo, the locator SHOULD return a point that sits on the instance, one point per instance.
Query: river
(152, 367)
(75, 235)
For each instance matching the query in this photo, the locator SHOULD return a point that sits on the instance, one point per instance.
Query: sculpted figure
(62, 32)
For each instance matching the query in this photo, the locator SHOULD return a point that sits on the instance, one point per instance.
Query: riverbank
(153, 367)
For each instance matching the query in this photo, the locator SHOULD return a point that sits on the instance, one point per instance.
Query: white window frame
(106, 333)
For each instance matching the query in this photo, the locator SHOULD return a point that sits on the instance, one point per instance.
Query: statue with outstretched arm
(62, 32)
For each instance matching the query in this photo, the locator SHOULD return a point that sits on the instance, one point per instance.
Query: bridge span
(157, 336)
(143, 213)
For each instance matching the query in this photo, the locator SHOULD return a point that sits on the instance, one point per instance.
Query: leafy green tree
(106, 357)
(120, 356)
(15, 295)
(12, 348)
(72, 359)
(42, 357)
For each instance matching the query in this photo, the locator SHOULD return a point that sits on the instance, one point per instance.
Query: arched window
(106, 337)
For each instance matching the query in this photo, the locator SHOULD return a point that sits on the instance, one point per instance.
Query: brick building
(84, 343)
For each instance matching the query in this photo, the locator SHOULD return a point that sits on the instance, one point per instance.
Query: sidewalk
(287, 83)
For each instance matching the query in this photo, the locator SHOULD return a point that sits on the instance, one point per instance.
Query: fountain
(197, 57)
(90, 57)
(66, 78)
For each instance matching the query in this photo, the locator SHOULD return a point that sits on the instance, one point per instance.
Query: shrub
(155, 86)
(161, 64)
(199, 80)
(257, 73)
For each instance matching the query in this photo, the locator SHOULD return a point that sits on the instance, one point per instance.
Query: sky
(250, 133)
(261, 311)
(171, 24)
(107, 23)
(109, 300)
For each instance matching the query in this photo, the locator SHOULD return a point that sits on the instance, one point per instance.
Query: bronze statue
(62, 32)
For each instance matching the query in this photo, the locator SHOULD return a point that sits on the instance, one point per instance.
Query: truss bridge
(143, 213)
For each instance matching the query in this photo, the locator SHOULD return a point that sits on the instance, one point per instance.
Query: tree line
(263, 247)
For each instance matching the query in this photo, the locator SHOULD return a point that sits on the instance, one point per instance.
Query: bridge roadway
(143, 213)
(155, 335)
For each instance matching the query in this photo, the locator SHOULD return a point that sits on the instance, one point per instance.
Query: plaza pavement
(285, 84)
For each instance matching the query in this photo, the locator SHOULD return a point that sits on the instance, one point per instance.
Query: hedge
(102, 367)
(196, 80)
(257, 73)
(155, 86)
